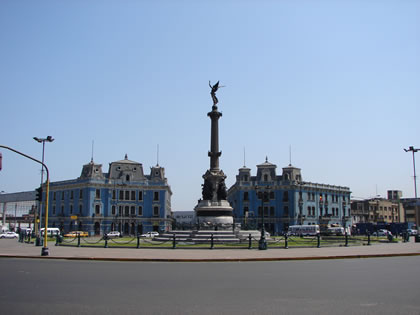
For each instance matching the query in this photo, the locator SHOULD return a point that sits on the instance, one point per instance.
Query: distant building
(411, 207)
(124, 199)
(291, 200)
(394, 194)
(184, 219)
(412, 211)
(17, 208)
(377, 210)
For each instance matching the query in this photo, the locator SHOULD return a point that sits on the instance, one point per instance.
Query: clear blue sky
(337, 80)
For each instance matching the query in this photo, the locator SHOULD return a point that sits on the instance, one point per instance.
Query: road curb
(212, 259)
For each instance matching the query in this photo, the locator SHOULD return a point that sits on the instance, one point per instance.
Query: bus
(303, 229)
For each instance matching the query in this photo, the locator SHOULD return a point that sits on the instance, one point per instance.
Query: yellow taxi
(76, 233)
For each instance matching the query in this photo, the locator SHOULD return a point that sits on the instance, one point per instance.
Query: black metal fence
(250, 242)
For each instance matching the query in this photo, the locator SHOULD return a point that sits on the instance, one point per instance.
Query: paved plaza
(12, 248)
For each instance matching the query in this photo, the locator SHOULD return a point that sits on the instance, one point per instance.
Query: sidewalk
(12, 248)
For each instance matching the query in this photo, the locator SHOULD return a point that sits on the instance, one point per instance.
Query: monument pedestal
(214, 213)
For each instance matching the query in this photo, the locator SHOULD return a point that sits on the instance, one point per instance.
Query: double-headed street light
(412, 149)
(42, 140)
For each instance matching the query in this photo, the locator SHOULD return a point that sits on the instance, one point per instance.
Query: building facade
(412, 211)
(377, 210)
(124, 199)
(291, 201)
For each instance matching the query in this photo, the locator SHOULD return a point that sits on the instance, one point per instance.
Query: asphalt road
(344, 286)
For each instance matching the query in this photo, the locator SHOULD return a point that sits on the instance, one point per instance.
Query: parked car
(150, 234)
(76, 233)
(113, 234)
(412, 232)
(382, 232)
(9, 235)
(26, 231)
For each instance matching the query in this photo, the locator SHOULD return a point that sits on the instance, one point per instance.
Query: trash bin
(417, 238)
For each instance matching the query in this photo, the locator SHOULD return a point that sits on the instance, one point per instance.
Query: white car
(150, 234)
(412, 232)
(382, 232)
(113, 234)
(9, 235)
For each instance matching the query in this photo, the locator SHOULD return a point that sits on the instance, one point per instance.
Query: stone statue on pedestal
(214, 209)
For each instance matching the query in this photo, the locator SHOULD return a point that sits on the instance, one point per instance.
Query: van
(335, 230)
(51, 231)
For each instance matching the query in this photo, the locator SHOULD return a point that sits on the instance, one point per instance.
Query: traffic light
(39, 194)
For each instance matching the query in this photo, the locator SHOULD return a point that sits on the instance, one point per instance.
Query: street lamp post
(15, 217)
(42, 140)
(263, 195)
(412, 149)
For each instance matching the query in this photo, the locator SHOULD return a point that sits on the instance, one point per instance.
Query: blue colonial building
(124, 199)
(290, 200)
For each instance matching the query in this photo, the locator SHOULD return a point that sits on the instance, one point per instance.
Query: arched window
(127, 178)
(265, 177)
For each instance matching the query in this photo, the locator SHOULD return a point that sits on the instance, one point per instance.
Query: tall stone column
(214, 153)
